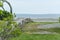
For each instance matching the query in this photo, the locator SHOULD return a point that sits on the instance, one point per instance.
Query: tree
(1, 5)
(8, 4)
(8, 28)
(4, 15)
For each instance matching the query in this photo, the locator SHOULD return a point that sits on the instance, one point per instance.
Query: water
(37, 15)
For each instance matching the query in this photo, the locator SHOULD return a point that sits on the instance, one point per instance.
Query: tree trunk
(3, 8)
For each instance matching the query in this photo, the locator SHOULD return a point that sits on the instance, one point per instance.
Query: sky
(34, 6)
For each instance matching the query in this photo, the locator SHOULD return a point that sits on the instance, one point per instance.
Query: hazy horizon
(38, 15)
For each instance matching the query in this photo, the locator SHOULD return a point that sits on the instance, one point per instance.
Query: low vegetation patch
(53, 30)
(33, 25)
(37, 37)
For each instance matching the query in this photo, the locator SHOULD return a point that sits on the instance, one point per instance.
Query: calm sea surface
(37, 15)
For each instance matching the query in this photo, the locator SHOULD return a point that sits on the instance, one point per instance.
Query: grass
(37, 37)
(38, 23)
(57, 30)
(53, 30)
(41, 23)
(33, 25)
(25, 36)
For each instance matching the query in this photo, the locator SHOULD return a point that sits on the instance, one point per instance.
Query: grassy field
(33, 26)
(57, 30)
(41, 23)
(25, 36)
(37, 37)
(38, 23)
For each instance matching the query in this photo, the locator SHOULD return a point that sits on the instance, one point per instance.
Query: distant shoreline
(40, 19)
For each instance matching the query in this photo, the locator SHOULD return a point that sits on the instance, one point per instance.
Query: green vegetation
(38, 23)
(8, 28)
(37, 37)
(57, 30)
(4, 15)
(9, 32)
(32, 26)
(1, 4)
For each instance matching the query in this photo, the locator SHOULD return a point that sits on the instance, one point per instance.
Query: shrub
(8, 28)
(4, 15)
